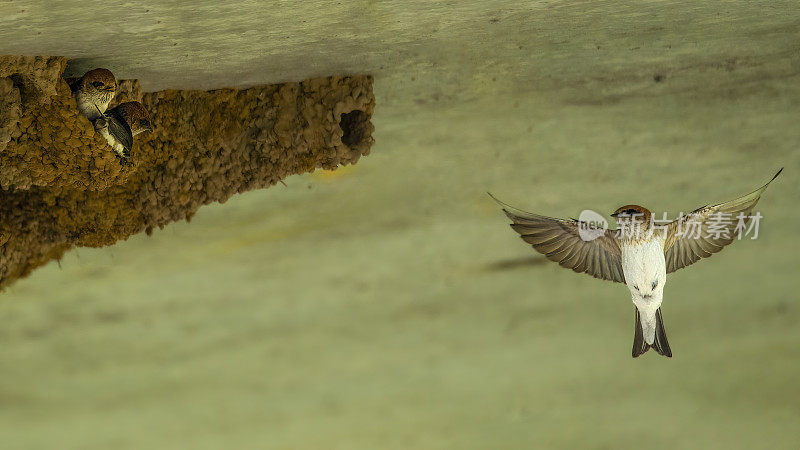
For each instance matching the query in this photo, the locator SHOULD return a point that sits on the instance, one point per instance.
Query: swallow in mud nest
(120, 124)
(639, 253)
(93, 92)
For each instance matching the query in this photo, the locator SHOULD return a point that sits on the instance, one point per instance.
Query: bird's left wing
(559, 240)
(120, 130)
(707, 230)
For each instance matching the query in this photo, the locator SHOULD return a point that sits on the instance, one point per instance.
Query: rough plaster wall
(62, 186)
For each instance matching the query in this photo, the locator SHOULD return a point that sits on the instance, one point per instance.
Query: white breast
(645, 272)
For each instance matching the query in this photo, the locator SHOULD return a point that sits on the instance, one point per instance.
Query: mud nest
(62, 186)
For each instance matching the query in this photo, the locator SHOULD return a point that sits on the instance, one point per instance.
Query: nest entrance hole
(354, 127)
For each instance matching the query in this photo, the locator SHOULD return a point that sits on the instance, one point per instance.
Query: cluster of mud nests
(62, 186)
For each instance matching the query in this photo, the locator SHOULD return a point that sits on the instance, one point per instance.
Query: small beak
(614, 215)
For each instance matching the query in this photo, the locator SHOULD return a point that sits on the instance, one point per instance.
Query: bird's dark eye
(97, 84)
(143, 123)
(631, 212)
(655, 283)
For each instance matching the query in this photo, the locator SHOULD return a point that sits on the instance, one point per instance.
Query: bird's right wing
(560, 241)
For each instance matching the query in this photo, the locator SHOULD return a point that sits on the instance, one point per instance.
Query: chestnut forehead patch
(103, 75)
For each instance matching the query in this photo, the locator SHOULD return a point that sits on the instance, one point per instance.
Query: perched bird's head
(98, 81)
(136, 116)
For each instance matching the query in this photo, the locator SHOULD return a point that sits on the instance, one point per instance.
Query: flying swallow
(93, 92)
(638, 253)
(120, 124)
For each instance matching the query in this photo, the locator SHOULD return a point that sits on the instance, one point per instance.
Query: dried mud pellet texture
(62, 186)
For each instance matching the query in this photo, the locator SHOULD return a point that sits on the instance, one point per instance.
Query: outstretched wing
(707, 230)
(559, 241)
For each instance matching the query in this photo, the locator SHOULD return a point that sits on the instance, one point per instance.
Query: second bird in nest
(119, 125)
